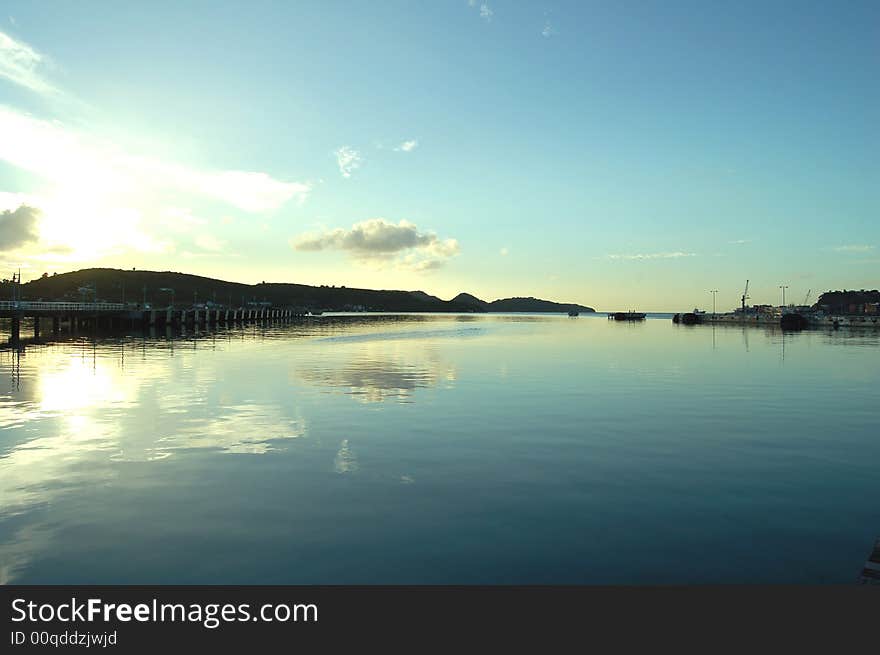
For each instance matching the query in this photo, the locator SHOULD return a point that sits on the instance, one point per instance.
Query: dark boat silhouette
(627, 316)
(689, 318)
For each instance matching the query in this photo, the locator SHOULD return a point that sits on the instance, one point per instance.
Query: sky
(623, 155)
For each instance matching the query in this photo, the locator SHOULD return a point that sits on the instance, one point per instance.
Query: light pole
(713, 292)
(783, 287)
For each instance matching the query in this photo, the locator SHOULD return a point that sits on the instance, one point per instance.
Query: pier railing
(11, 305)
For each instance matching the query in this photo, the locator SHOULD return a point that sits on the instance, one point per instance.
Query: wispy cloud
(548, 30)
(654, 255)
(348, 159)
(407, 146)
(740, 242)
(379, 241)
(22, 65)
(486, 12)
(855, 248)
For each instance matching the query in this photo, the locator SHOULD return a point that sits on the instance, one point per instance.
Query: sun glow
(91, 205)
(99, 199)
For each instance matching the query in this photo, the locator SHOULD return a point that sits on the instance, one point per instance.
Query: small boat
(627, 316)
(573, 312)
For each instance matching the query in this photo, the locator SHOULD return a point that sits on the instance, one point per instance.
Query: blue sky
(618, 154)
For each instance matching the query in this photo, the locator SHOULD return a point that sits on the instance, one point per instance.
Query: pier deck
(75, 315)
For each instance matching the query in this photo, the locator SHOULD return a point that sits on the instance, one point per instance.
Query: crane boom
(745, 296)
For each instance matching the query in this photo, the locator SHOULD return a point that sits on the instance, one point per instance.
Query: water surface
(441, 449)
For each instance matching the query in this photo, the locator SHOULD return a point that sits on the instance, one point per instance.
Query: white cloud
(407, 146)
(247, 190)
(22, 65)
(855, 248)
(378, 241)
(486, 12)
(654, 255)
(740, 242)
(548, 30)
(348, 159)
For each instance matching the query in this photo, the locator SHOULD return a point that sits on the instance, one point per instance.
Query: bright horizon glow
(615, 156)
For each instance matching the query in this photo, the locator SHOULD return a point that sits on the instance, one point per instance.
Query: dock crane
(807, 298)
(745, 296)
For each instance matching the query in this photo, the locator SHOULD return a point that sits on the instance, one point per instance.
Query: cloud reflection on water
(376, 372)
(76, 416)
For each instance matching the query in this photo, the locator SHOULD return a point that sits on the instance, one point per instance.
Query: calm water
(442, 449)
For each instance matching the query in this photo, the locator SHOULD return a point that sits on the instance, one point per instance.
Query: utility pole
(713, 292)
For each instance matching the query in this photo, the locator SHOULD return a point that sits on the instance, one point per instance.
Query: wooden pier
(77, 316)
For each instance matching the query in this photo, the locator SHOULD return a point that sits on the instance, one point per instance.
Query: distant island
(518, 305)
(161, 288)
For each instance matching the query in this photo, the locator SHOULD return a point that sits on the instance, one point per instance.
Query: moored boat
(627, 316)
(690, 318)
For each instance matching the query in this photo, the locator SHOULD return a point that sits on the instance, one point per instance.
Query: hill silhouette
(519, 305)
(154, 288)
